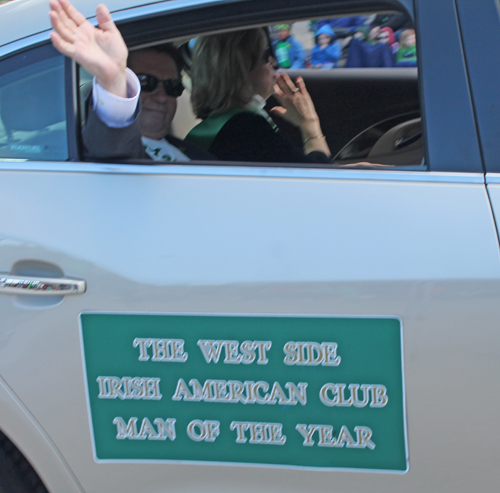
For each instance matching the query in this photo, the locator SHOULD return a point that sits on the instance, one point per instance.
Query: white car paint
(22, 18)
(167, 242)
(161, 239)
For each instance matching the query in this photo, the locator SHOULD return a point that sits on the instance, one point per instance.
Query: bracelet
(319, 136)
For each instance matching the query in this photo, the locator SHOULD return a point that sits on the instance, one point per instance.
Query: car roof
(22, 18)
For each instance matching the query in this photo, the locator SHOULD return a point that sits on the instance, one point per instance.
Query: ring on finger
(295, 89)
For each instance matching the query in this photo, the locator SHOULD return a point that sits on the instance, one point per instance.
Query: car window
(32, 107)
(366, 94)
(364, 86)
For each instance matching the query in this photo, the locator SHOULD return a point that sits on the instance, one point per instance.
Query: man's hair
(220, 69)
(168, 49)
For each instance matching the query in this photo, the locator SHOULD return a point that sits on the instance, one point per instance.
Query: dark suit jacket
(249, 137)
(103, 142)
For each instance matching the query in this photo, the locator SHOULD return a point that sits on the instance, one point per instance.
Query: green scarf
(205, 132)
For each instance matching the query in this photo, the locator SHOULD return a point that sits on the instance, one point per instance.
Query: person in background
(343, 27)
(288, 51)
(372, 35)
(372, 53)
(386, 35)
(406, 56)
(397, 21)
(233, 74)
(361, 33)
(326, 52)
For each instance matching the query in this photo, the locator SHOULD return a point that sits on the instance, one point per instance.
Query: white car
(221, 326)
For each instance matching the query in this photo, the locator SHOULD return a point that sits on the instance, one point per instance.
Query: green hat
(282, 27)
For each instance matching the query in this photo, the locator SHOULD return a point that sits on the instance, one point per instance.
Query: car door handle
(40, 286)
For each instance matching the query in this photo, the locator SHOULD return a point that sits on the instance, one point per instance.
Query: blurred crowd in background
(381, 40)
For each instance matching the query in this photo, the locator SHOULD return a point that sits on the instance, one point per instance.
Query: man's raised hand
(101, 51)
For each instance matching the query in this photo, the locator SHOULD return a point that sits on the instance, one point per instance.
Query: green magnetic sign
(316, 392)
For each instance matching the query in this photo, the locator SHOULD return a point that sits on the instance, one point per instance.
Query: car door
(368, 297)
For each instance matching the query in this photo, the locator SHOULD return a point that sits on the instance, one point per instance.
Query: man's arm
(112, 128)
(114, 111)
(101, 141)
(102, 52)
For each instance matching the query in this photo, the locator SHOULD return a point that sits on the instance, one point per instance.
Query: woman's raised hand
(101, 51)
(298, 109)
(296, 105)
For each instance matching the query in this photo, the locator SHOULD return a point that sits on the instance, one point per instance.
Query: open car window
(366, 96)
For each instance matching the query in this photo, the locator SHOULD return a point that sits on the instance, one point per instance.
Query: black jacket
(249, 137)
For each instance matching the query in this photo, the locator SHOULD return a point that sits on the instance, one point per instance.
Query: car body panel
(24, 430)
(419, 245)
(484, 88)
(22, 18)
(169, 259)
(493, 186)
(448, 144)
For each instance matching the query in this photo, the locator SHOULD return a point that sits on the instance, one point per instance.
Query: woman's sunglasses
(268, 54)
(173, 87)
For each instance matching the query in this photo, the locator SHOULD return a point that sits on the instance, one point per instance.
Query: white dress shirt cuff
(114, 111)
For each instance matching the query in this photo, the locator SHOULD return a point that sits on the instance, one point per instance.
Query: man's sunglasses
(173, 87)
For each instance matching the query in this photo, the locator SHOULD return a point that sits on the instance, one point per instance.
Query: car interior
(368, 115)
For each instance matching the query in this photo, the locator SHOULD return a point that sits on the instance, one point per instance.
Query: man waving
(117, 127)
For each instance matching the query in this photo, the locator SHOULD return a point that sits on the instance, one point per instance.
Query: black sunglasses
(173, 87)
(268, 54)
